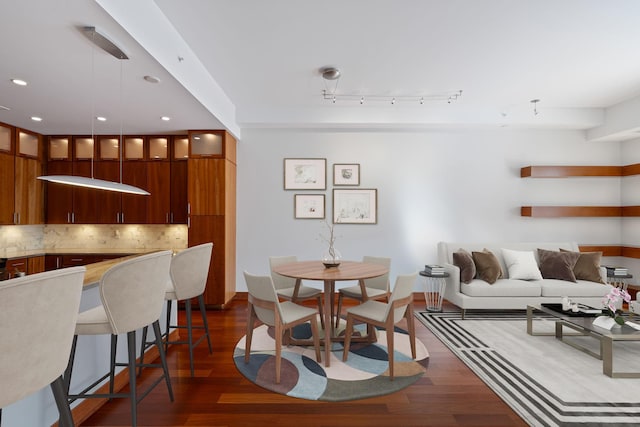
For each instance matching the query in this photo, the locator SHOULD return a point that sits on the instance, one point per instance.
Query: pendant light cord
(93, 100)
(121, 120)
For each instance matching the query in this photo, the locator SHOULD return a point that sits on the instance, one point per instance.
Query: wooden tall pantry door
(211, 177)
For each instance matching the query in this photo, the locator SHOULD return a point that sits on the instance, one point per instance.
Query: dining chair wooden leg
(339, 309)
(390, 349)
(319, 299)
(279, 334)
(411, 329)
(247, 344)
(316, 338)
(347, 338)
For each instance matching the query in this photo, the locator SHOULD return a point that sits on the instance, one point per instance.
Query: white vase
(605, 322)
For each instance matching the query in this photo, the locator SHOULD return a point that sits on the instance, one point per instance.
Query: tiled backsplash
(21, 237)
(76, 236)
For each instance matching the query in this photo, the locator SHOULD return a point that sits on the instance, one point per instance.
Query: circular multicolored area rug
(364, 374)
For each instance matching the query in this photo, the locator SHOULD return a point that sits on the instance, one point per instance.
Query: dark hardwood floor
(449, 394)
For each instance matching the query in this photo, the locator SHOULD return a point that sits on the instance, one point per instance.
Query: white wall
(434, 185)
(631, 197)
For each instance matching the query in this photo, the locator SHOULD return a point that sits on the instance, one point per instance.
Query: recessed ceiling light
(36, 118)
(152, 79)
(101, 119)
(19, 82)
(165, 118)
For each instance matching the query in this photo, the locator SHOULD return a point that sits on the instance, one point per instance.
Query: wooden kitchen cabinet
(29, 191)
(179, 192)
(35, 264)
(159, 185)
(7, 189)
(212, 215)
(16, 265)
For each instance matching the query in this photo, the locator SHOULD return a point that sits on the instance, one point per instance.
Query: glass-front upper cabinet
(206, 144)
(28, 144)
(133, 148)
(180, 148)
(158, 148)
(6, 138)
(59, 148)
(83, 148)
(108, 148)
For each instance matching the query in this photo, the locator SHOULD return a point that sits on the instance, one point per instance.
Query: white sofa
(508, 293)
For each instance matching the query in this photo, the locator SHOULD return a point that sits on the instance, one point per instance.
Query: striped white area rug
(547, 382)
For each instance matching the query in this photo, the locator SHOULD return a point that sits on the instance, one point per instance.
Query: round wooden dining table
(315, 270)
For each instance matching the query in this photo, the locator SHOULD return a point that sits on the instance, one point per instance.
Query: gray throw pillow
(557, 265)
(487, 266)
(464, 261)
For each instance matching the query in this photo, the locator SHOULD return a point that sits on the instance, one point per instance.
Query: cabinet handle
(122, 217)
(189, 222)
(117, 217)
(68, 218)
(171, 217)
(73, 217)
(57, 262)
(17, 264)
(189, 208)
(76, 259)
(166, 217)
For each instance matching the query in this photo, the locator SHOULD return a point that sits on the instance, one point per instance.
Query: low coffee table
(583, 325)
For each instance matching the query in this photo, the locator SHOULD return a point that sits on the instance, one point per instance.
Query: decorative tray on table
(583, 310)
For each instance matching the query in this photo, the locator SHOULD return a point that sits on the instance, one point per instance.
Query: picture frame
(308, 206)
(355, 206)
(305, 174)
(346, 174)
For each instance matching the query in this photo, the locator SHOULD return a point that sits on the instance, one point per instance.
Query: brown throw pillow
(487, 266)
(557, 265)
(463, 260)
(588, 266)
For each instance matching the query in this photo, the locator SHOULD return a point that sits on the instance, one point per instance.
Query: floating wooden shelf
(612, 250)
(579, 211)
(569, 171)
(570, 211)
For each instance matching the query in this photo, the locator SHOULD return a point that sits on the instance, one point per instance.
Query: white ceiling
(255, 63)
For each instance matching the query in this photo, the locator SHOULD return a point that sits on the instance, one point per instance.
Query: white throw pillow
(521, 265)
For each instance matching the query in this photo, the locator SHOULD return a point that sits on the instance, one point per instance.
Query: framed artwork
(346, 174)
(355, 206)
(305, 174)
(308, 206)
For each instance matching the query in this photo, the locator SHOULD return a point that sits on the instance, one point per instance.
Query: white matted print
(308, 206)
(346, 174)
(305, 174)
(355, 206)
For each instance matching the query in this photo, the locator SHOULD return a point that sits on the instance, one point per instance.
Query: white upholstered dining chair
(386, 315)
(376, 288)
(37, 318)
(285, 286)
(265, 307)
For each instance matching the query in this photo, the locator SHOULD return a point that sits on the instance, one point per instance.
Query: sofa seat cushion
(502, 288)
(582, 288)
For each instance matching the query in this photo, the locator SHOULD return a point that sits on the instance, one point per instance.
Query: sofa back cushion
(588, 266)
(521, 264)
